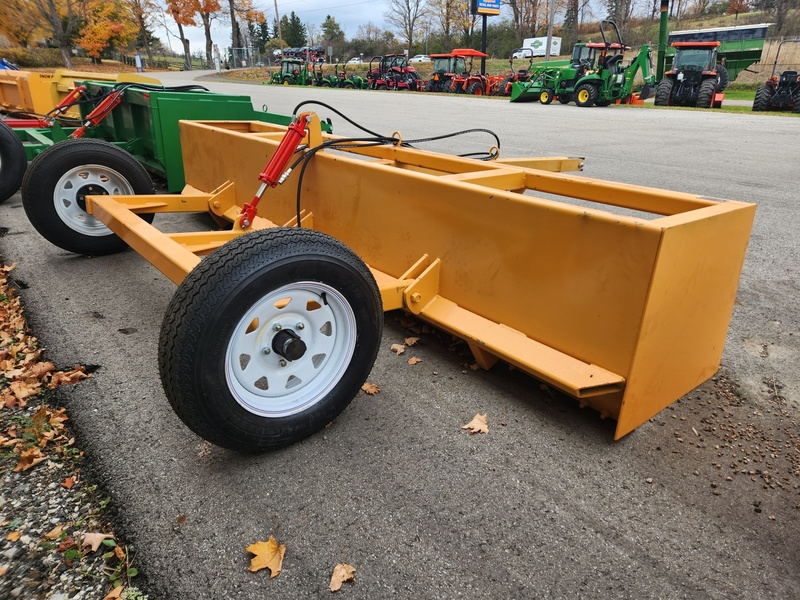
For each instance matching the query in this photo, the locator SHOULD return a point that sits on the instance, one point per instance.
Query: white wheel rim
(68, 188)
(266, 384)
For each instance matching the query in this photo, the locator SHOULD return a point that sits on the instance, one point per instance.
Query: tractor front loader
(277, 318)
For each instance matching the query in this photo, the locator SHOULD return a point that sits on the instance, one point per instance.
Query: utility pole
(278, 20)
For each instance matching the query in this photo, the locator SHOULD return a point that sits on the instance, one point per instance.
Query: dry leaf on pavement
(268, 555)
(479, 424)
(370, 388)
(341, 573)
(414, 360)
(398, 348)
(410, 341)
(115, 594)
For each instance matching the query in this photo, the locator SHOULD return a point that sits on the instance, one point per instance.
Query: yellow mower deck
(625, 313)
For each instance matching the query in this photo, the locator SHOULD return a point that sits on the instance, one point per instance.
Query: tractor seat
(789, 77)
(522, 72)
(612, 63)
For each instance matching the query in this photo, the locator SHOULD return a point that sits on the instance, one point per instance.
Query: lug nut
(283, 363)
(301, 326)
(265, 351)
(277, 327)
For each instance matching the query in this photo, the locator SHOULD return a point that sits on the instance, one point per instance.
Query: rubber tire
(213, 299)
(723, 79)
(13, 162)
(565, 98)
(705, 95)
(664, 92)
(585, 95)
(503, 89)
(348, 85)
(796, 104)
(475, 89)
(603, 103)
(546, 97)
(44, 173)
(382, 86)
(763, 99)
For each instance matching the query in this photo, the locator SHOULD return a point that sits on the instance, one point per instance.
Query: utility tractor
(781, 91)
(467, 82)
(294, 71)
(445, 67)
(391, 72)
(520, 75)
(697, 76)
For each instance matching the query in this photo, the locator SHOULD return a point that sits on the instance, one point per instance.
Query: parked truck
(538, 46)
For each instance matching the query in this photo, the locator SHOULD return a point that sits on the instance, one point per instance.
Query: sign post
(484, 8)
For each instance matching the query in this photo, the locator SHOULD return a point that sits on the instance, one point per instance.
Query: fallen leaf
(398, 348)
(115, 594)
(474, 366)
(13, 536)
(268, 555)
(65, 377)
(341, 573)
(39, 369)
(28, 459)
(93, 540)
(67, 544)
(3, 569)
(479, 424)
(410, 341)
(119, 553)
(54, 533)
(414, 360)
(370, 388)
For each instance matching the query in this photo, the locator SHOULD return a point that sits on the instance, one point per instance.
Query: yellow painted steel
(625, 313)
(39, 93)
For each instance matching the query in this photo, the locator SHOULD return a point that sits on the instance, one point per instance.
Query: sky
(348, 13)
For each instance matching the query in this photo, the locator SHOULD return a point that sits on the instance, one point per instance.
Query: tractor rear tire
(504, 89)
(705, 95)
(796, 104)
(57, 181)
(723, 79)
(475, 89)
(586, 95)
(269, 338)
(763, 99)
(13, 162)
(664, 92)
(565, 98)
(348, 85)
(546, 97)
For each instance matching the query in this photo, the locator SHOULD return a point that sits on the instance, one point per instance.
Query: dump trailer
(277, 318)
(37, 93)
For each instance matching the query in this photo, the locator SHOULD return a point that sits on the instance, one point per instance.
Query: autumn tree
(62, 20)
(142, 12)
(208, 11)
(528, 16)
(184, 13)
(108, 23)
(405, 15)
(20, 22)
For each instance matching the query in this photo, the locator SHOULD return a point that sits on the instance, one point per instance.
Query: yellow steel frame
(39, 93)
(625, 313)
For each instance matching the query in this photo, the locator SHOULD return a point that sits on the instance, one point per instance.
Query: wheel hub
(288, 344)
(91, 189)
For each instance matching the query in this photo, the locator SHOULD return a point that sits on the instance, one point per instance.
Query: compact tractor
(780, 92)
(294, 71)
(520, 75)
(697, 76)
(595, 75)
(392, 72)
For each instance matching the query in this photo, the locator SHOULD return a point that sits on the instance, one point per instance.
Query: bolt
(277, 327)
(301, 326)
(265, 351)
(283, 363)
(416, 297)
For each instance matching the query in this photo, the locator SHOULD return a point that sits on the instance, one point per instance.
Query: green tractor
(353, 81)
(294, 71)
(595, 75)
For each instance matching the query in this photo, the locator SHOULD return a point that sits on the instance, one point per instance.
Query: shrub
(33, 57)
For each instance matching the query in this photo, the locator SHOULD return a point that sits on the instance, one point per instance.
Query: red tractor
(504, 87)
(781, 91)
(466, 82)
(392, 72)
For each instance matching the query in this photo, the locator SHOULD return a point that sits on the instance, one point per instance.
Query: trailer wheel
(585, 95)
(13, 162)
(546, 97)
(59, 179)
(705, 95)
(269, 338)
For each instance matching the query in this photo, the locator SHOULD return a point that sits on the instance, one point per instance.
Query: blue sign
(486, 7)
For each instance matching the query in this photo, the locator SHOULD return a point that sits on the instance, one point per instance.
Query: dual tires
(265, 342)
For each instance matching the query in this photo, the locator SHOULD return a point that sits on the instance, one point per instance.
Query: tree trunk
(235, 41)
(187, 56)
(206, 17)
(65, 54)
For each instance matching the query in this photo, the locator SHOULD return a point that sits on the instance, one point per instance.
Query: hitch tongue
(275, 173)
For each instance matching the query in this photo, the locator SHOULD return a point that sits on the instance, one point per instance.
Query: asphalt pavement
(702, 501)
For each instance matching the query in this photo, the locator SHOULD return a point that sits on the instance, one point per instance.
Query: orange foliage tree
(184, 12)
(108, 22)
(20, 22)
